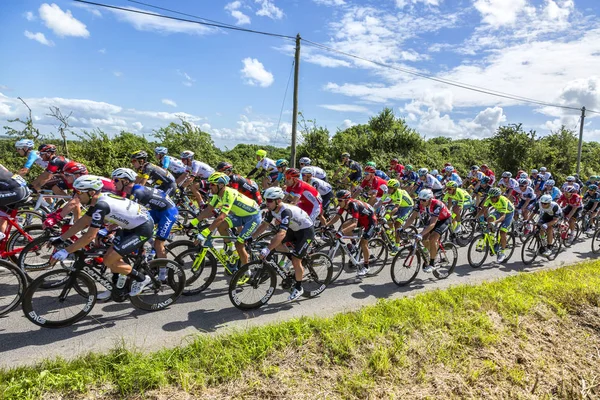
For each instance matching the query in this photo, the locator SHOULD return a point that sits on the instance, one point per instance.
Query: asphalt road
(210, 312)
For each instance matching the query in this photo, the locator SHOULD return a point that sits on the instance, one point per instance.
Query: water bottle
(121, 281)
(150, 256)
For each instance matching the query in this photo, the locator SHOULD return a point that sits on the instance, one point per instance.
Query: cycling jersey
(508, 183)
(9, 181)
(481, 189)
(475, 176)
(461, 196)
(322, 187)
(536, 180)
(573, 201)
(399, 198)
(13, 188)
(360, 211)
(290, 217)
(545, 175)
(410, 177)
(34, 158)
(173, 164)
(555, 193)
(490, 174)
(267, 164)
(200, 169)
(553, 211)
(310, 199)
(430, 182)
(56, 164)
(247, 187)
(397, 169)
(158, 175)
(380, 174)
(502, 206)
(454, 177)
(319, 173)
(375, 183)
(117, 210)
(436, 209)
(232, 201)
(594, 198)
(355, 170)
(154, 199)
(566, 185)
(527, 193)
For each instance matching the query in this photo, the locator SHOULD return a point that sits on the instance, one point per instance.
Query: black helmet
(224, 166)
(343, 194)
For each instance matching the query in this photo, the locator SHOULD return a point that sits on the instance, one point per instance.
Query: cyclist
(396, 169)
(439, 221)
(318, 173)
(354, 171)
(592, 196)
(527, 197)
(456, 199)
(266, 169)
(549, 212)
(169, 163)
(572, 206)
(24, 148)
(361, 214)
(161, 178)
(245, 186)
(475, 175)
(325, 190)
(428, 181)
(376, 187)
(13, 189)
(105, 208)
(235, 210)
(489, 173)
(449, 174)
(437, 175)
(162, 209)
(302, 194)
(196, 173)
(55, 166)
(378, 173)
(536, 180)
(551, 189)
(578, 181)
(282, 165)
(570, 183)
(294, 226)
(481, 190)
(402, 205)
(504, 212)
(410, 178)
(509, 184)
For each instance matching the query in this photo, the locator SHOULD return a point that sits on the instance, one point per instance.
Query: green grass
(363, 346)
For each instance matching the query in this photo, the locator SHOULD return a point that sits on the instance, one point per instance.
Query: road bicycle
(253, 285)
(12, 286)
(488, 243)
(407, 263)
(14, 241)
(538, 240)
(61, 297)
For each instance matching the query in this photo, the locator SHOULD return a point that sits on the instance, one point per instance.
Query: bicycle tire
(320, 269)
(511, 245)
(11, 275)
(249, 276)
(177, 247)
(596, 242)
(473, 250)
(467, 232)
(16, 235)
(379, 260)
(45, 283)
(153, 297)
(337, 257)
(446, 259)
(405, 266)
(530, 249)
(197, 281)
(34, 259)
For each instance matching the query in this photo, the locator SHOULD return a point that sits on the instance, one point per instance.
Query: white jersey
(176, 166)
(322, 187)
(290, 217)
(319, 173)
(200, 169)
(545, 176)
(113, 209)
(267, 164)
(431, 182)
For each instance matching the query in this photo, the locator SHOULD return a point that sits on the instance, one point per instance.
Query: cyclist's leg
(369, 232)
(165, 221)
(506, 220)
(7, 198)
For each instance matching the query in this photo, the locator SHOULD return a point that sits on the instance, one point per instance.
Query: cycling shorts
(300, 239)
(522, 203)
(368, 228)
(128, 241)
(250, 223)
(165, 221)
(569, 208)
(168, 188)
(403, 212)
(545, 218)
(13, 196)
(441, 226)
(506, 223)
(590, 205)
(273, 176)
(327, 198)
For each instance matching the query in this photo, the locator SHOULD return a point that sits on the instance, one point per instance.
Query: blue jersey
(34, 158)
(381, 174)
(555, 193)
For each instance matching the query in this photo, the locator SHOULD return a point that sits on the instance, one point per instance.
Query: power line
(216, 25)
(444, 81)
(284, 97)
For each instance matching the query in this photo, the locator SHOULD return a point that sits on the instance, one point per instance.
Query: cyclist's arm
(41, 180)
(252, 172)
(348, 226)
(429, 228)
(23, 171)
(411, 219)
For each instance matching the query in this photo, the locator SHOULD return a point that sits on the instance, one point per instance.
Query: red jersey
(376, 183)
(573, 201)
(436, 209)
(310, 200)
(398, 169)
(360, 211)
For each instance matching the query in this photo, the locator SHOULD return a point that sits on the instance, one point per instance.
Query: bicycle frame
(11, 219)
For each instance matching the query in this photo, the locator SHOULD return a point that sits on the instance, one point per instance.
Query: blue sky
(117, 70)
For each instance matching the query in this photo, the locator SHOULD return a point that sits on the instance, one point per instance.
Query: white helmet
(161, 150)
(546, 199)
(425, 194)
(124, 173)
(274, 193)
(449, 168)
(187, 154)
(423, 171)
(24, 144)
(304, 160)
(307, 171)
(88, 182)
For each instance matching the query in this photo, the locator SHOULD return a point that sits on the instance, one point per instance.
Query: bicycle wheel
(467, 232)
(26, 217)
(252, 285)
(177, 247)
(511, 244)
(159, 295)
(405, 266)
(378, 256)
(531, 249)
(445, 260)
(12, 286)
(183, 218)
(596, 242)
(478, 251)
(51, 300)
(17, 240)
(199, 272)
(34, 259)
(317, 274)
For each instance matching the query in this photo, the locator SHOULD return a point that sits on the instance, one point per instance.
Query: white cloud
(62, 23)
(404, 3)
(102, 51)
(152, 23)
(30, 16)
(137, 126)
(39, 37)
(347, 124)
(346, 108)
(269, 9)
(188, 80)
(500, 12)
(255, 73)
(255, 130)
(89, 8)
(330, 2)
(169, 102)
(233, 8)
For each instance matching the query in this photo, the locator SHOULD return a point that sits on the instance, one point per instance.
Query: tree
(29, 131)
(63, 127)
(511, 147)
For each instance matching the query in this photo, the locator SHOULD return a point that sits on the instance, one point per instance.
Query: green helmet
(409, 167)
(371, 164)
(494, 192)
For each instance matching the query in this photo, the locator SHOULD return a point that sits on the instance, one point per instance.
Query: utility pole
(295, 108)
(580, 140)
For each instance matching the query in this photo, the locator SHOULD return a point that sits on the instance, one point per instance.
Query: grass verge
(527, 336)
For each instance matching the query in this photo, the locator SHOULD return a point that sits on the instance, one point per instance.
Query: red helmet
(292, 173)
(483, 166)
(370, 169)
(393, 161)
(224, 166)
(73, 167)
(47, 148)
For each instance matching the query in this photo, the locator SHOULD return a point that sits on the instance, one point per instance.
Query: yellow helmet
(393, 183)
(218, 177)
(261, 153)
